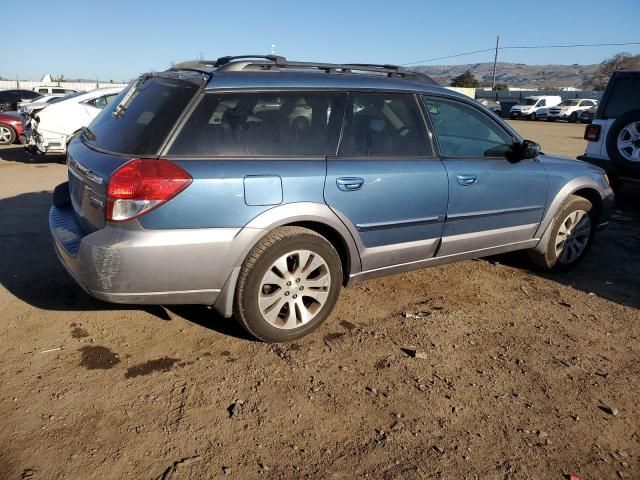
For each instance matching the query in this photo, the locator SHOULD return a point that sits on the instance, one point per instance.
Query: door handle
(349, 184)
(466, 180)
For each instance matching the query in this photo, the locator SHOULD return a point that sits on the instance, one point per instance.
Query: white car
(39, 103)
(529, 107)
(570, 109)
(49, 130)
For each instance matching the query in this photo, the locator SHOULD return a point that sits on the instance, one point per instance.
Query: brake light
(141, 185)
(592, 133)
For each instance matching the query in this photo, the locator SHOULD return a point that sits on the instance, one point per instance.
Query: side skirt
(435, 261)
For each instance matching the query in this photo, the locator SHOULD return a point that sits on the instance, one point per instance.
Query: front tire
(288, 285)
(573, 118)
(7, 134)
(572, 232)
(533, 116)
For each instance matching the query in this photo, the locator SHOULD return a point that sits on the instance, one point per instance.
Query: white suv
(614, 135)
(570, 109)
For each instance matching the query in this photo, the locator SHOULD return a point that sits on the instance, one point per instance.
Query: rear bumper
(44, 142)
(124, 263)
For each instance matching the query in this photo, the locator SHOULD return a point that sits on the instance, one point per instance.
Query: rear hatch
(134, 125)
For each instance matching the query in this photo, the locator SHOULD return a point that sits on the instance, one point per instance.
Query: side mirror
(529, 149)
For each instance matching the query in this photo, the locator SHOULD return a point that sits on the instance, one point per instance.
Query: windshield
(529, 101)
(139, 119)
(569, 103)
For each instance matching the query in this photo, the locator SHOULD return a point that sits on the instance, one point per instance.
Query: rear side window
(58, 90)
(255, 124)
(384, 124)
(138, 124)
(623, 96)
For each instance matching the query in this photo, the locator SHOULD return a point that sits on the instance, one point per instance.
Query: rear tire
(288, 285)
(7, 134)
(572, 232)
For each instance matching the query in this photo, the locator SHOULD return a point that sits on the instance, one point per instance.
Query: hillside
(515, 74)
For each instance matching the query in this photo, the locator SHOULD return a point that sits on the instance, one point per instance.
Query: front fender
(574, 185)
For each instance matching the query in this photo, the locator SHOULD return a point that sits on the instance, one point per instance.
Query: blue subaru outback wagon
(262, 186)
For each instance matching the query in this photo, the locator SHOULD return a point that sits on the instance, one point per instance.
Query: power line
(514, 47)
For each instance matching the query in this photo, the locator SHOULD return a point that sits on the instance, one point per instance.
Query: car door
(386, 183)
(492, 201)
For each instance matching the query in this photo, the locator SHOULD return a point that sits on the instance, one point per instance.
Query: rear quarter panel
(217, 196)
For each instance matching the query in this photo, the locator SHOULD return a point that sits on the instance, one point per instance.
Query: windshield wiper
(120, 109)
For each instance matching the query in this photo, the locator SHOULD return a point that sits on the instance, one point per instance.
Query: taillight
(141, 185)
(592, 133)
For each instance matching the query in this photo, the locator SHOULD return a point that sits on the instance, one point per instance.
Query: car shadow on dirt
(31, 271)
(17, 153)
(611, 268)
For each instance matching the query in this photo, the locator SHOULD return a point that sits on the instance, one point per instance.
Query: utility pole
(495, 61)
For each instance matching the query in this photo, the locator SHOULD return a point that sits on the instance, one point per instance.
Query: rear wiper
(121, 108)
(88, 134)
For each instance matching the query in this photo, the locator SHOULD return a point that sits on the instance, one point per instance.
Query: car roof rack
(274, 62)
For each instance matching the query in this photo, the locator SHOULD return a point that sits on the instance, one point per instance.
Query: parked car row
(45, 123)
(48, 130)
(552, 108)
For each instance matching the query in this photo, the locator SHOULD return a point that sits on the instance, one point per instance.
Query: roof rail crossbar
(276, 59)
(227, 63)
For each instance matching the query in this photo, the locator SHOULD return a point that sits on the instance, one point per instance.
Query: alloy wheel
(573, 236)
(294, 289)
(629, 142)
(5, 135)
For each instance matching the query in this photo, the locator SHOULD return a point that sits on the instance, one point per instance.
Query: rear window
(255, 124)
(623, 95)
(138, 124)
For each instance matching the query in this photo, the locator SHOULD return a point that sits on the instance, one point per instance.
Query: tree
(501, 87)
(620, 61)
(467, 79)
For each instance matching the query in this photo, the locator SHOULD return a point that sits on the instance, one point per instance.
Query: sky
(117, 39)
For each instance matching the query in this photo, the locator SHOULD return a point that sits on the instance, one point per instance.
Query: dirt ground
(518, 375)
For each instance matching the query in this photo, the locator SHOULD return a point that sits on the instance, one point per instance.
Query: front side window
(543, 103)
(256, 124)
(384, 124)
(465, 131)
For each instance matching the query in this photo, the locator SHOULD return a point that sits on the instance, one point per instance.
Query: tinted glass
(384, 124)
(58, 90)
(465, 131)
(28, 95)
(624, 96)
(245, 124)
(144, 122)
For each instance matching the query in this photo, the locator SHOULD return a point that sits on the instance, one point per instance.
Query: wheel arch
(314, 216)
(585, 187)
